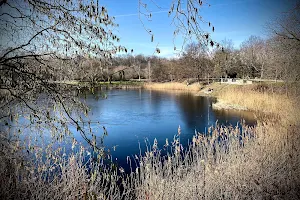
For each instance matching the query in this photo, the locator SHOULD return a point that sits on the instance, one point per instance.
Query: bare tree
(252, 55)
(186, 20)
(35, 37)
(196, 59)
(284, 45)
(287, 26)
(223, 58)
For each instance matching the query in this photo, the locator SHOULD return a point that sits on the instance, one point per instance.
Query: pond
(134, 118)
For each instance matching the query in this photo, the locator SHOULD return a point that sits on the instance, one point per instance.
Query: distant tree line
(274, 58)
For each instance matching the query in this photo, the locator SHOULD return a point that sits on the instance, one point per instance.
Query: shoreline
(229, 97)
(210, 90)
(262, 99)
(220, 105)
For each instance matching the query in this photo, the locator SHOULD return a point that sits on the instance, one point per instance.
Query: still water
(134, 118)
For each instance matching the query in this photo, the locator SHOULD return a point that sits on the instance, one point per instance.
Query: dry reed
(224, 163)
(246, 97)
(173, 86)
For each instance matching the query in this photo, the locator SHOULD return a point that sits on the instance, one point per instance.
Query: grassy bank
(269, 99)
(195, 87)
(262, 99)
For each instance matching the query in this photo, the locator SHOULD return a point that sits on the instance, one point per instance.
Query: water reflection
(133, 116)
(194, 110)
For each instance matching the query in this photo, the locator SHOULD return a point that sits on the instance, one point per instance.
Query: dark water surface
(133, 116)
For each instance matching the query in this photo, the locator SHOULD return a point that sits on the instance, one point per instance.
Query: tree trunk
(139, 72)
(208, 78)
(286, 81)
(262, 71)
(149, 71)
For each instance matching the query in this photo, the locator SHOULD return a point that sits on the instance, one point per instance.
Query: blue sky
(232, 19)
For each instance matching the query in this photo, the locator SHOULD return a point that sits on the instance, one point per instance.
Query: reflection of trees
(198, 114)
(156, 100)
(231, 116)
(191, 107)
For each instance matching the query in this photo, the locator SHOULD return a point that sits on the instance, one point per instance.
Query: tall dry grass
(79, 176)
(266, 102)
(266, 167)
(245, 162)
(173, 86)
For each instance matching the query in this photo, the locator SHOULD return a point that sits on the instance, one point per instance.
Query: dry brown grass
(267, 167)
(173, 86)
(249, 97)
(259, 162)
